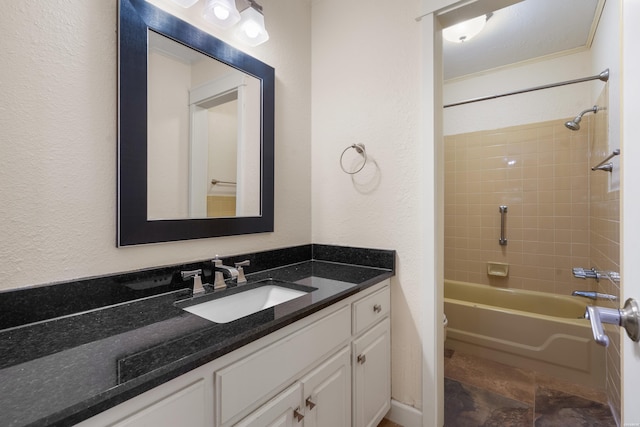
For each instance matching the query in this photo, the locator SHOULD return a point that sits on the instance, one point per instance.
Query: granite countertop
(62, 370)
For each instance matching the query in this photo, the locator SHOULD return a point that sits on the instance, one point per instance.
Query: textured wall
(366, 88)
(58, 117)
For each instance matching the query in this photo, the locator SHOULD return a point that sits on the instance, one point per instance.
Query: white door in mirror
(227, 309)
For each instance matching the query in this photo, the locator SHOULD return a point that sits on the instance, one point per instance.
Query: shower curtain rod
(603, 76)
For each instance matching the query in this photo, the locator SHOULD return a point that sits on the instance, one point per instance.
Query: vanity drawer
(254, 379)
(370, 309)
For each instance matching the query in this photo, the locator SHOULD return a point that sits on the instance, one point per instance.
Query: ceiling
(524, 31)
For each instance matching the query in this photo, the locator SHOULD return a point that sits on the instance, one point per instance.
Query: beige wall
(366, 89)
(59, 139)
(540, 171)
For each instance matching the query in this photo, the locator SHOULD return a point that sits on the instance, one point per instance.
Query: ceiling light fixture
(222, 13)
(465, 31)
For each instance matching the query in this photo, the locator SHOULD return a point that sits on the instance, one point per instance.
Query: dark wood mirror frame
(136, 17)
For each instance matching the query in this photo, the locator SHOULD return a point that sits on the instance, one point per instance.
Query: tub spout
(594, 295)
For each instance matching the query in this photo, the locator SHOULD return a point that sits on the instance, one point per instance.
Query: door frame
(436, 14)
(630, 199)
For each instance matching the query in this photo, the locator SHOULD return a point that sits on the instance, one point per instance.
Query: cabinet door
(372, 376)
(327, 392)
(248, 382)
(278, 412)
(184, 408)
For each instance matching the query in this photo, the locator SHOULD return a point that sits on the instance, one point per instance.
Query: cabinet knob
(297, 414)
(362, 359)
(310, 403)
(377, 308)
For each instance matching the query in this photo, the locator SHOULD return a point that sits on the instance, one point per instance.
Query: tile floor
(479, 392)
(483, 393)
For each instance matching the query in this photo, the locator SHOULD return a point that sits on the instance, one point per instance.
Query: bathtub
(532, 330)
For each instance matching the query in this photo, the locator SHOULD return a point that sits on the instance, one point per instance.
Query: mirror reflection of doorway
(221, 197)
(204, 135)
(214, 153)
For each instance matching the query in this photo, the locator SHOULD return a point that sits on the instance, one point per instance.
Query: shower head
(575, 123)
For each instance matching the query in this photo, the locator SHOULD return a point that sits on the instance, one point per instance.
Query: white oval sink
(227, 309)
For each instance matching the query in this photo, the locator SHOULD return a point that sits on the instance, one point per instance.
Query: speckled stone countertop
(72, 350)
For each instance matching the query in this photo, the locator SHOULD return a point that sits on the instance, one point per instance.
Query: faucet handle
(197, 279)
(241, 279)
(584, 273)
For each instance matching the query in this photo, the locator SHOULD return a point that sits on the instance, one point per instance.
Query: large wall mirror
(196, 132)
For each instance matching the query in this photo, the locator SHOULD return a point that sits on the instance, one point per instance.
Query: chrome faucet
(594, 295)
(229, 272)
(223, 272)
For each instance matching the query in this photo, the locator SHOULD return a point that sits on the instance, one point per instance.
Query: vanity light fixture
(251, 29)
(222, 13)
(247, 14)
(465, 30)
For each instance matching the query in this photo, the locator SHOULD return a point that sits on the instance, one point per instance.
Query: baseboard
(405, 415)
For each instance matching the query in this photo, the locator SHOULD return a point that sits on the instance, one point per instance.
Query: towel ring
(360, 150)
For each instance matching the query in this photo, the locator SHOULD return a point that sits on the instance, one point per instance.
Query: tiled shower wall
(604, 219)
(560, 213)
(540, 172)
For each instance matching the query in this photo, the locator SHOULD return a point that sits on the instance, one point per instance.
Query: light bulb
(221, 13)
(252, 30)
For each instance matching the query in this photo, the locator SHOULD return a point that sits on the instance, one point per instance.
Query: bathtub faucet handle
(592, 273)
(628, 317)
(586, 273)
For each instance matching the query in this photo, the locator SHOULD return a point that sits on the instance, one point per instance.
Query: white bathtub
(526, 329)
